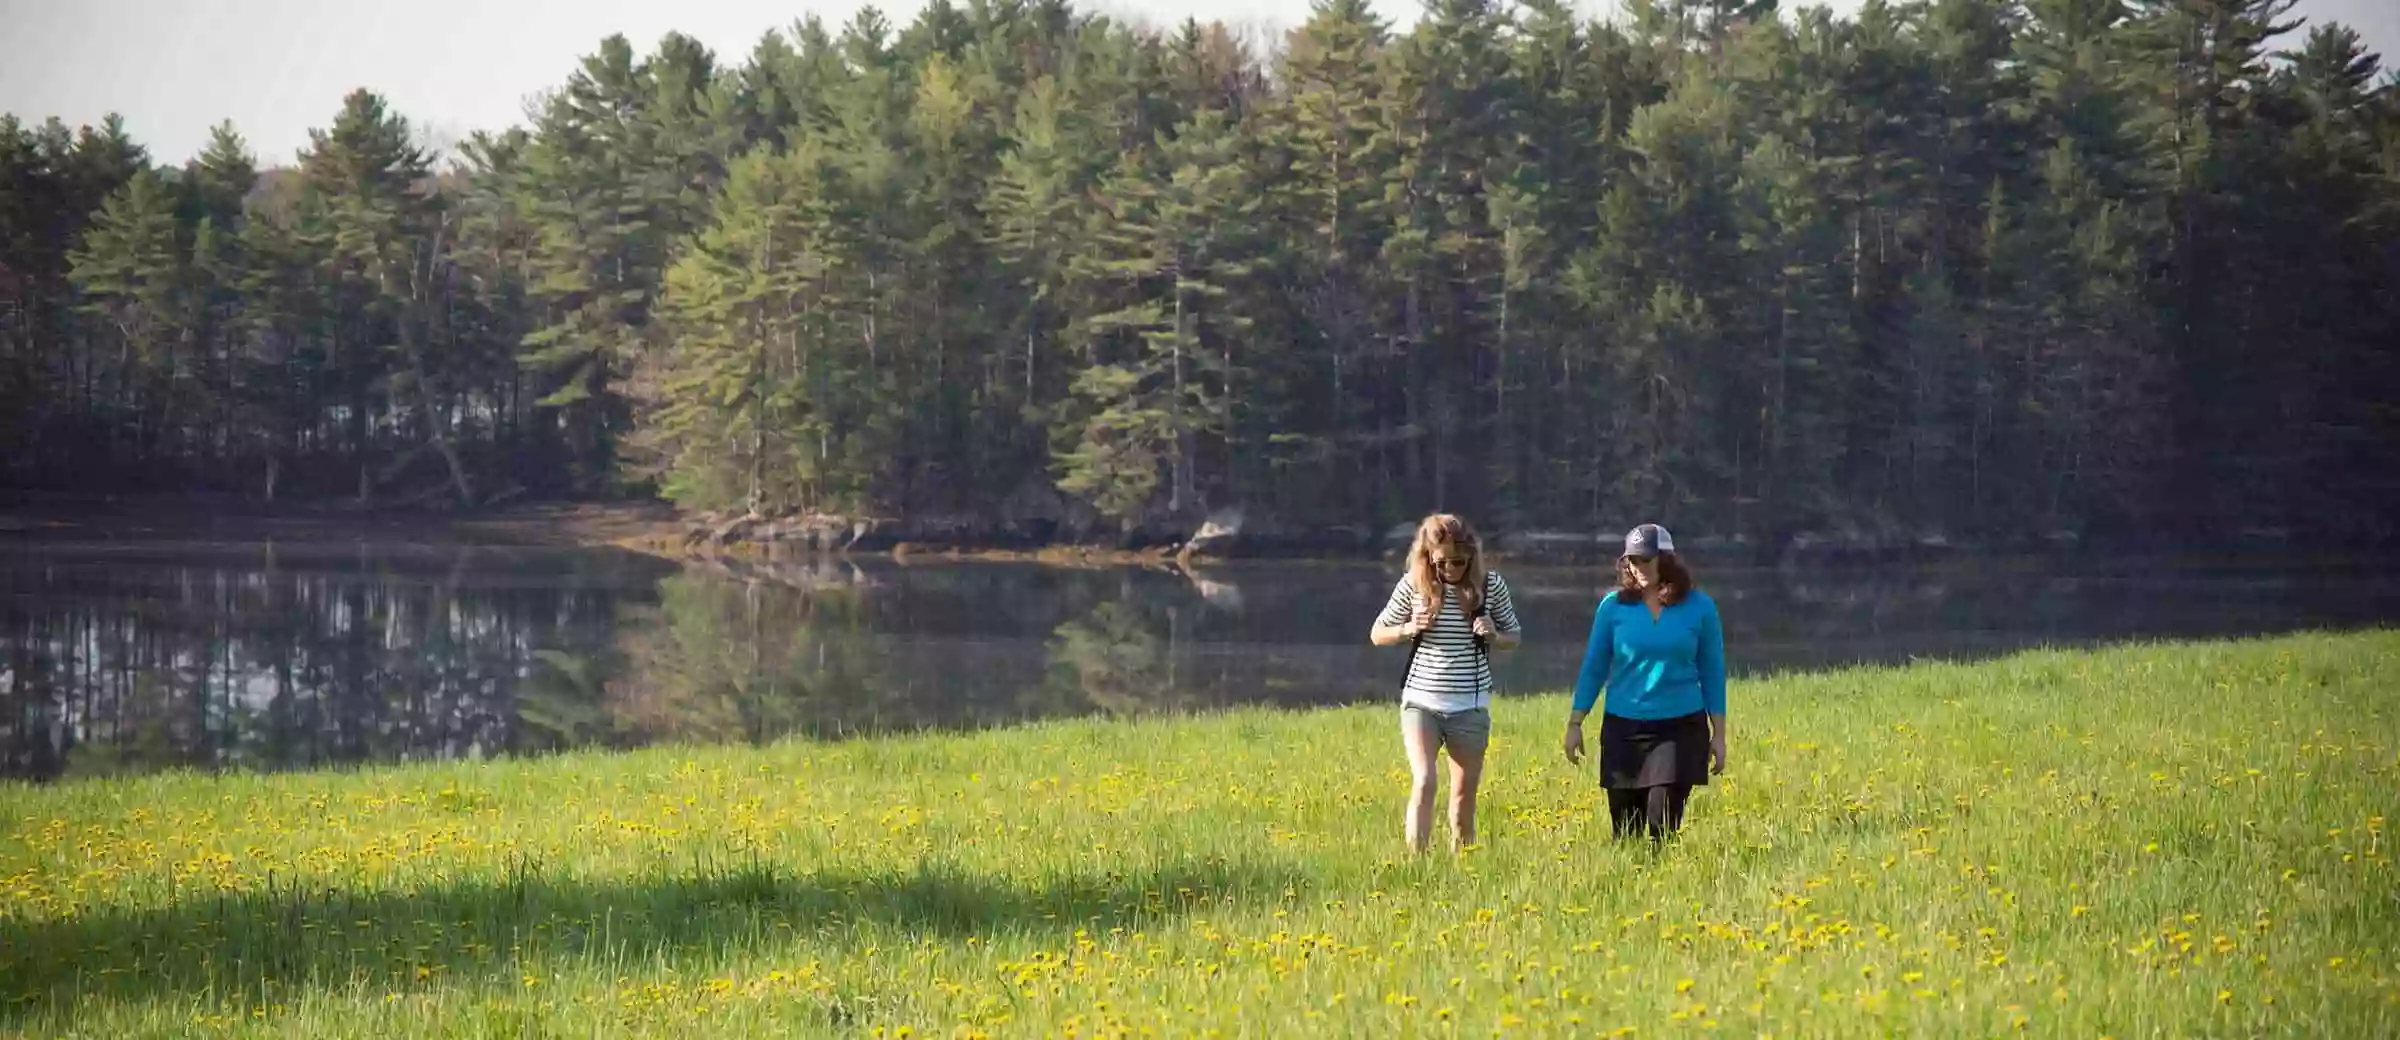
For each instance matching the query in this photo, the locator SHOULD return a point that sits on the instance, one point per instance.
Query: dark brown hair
(1674, 580)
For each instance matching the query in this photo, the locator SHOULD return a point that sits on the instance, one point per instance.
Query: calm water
(115, 660)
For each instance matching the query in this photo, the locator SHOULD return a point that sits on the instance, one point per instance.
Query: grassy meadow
(2161, 840)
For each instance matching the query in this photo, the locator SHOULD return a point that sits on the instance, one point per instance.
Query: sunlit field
(2165, 840)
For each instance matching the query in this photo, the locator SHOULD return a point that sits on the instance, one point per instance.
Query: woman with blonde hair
(1452, 611)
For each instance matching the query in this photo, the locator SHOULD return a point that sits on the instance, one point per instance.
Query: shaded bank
(659, 529)
(204, 520)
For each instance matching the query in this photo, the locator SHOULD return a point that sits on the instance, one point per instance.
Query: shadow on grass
(274, 944)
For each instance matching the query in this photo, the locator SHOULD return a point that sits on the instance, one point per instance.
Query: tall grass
(2163, 840)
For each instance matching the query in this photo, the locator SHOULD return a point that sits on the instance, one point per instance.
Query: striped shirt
(1450, 673)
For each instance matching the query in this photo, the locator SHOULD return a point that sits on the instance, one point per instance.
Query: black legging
(1658, 810)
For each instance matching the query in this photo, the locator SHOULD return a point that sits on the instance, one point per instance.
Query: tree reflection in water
(267, 658)
(754, 653)
(117, 659)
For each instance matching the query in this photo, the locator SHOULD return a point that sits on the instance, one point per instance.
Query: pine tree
(367, 217)
(131, 270)
(1331, 204)
(1163, 334)
(2076, 398)
(723, 432)
(1444, 112)
(949, 144)
(22, 375)
(1034, 207)
(216, 185)
(2206, 70)
(611, 180)
(2331, 291)
(1208, 209)
(761, 377)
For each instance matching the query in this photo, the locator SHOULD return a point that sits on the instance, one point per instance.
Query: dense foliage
(1956, 267)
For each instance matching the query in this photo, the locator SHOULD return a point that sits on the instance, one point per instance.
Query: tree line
(1971, 268)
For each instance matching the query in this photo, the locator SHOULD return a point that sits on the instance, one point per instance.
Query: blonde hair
(1436, 531)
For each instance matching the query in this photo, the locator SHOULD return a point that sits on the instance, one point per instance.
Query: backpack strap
(1483, 608)
(1483, 646)
(1415, 642)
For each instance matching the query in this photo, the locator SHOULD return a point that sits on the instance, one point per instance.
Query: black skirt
(1650, 752)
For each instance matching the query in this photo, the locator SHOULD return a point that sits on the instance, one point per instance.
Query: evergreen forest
(1975, 269)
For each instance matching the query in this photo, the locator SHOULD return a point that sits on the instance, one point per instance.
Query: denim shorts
(1468, 730)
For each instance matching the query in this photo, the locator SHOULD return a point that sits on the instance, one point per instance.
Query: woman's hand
(1572, 744)
(1492, 636)
(1716, 750)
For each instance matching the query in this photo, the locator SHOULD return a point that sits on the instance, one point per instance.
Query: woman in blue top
(1658, 649)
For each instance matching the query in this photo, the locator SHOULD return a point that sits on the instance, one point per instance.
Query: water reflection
(115, 660)
(749, 652)
(139, 660)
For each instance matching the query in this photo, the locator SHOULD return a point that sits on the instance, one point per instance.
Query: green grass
(2170, 840)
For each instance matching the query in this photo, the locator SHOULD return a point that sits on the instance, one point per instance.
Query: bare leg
(1419, 736)
(1466, 778)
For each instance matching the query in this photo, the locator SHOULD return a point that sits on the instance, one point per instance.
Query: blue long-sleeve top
(1658, 669)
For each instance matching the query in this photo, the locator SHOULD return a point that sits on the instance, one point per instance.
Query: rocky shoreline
(971, 538)
(661, 530)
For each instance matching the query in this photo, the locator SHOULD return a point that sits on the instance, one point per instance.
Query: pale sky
(173, 68)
